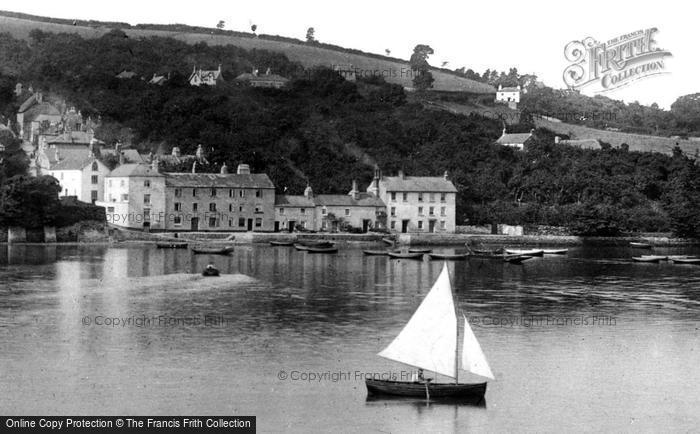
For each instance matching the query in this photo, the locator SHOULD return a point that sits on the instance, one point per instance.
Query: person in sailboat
(419, 377)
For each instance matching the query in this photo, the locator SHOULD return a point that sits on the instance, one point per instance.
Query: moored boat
(555, 251)
(204, 250)
(429, 341)
(659, 257)
(282, 243)
(516, 259)
(420, 250)
(640, 245)
(321, 249)
(171, 245)
(654, 259)
(405, 255)
(529, 252)
(448, 256)
(691, 261)
(312, 243)
(375, 252)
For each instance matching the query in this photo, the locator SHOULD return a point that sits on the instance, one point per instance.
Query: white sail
(429, 340)
(473, 358)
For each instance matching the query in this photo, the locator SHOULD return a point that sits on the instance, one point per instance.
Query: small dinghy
(405, 255)
(212, 250)
(171, 245)
(315, 243)
(449, 256)
(659, 257)
(649, 259)
(424, 251)
(322, 250)
(530, 252)
(555, 251)
(375, 252)
(282, 243)
(640, 245)
(516, 259)
(691, 261)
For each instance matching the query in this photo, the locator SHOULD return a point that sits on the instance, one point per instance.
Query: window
(93, 195)
(177, 220)
(178, 206)
(393, 211)
(241, 222)
(94, 179)
(230, 192)
(420, 224)
(281, 211)
(258, 193)
(194, 207)
(230, 207)
(178, 192)
(147, 198)
(420, 197)
(212, 222)
(258, 222)
(258, 210)
(230, 222)
(393, 224)
(147, 214)
(125, 197)
(213, 192)
(240, 209)
(324, 211)
(302, 210)
(147, 183)
(94, 166)
(405, 197)
(194, 192)
(432, 197)
(347, 211)
(431, 210)
(393, 196)
(420, 210)
(303, 225)
(110, 209)
(442, 197)
(442, 224)
(443, 211)
(212, 207)
(241, 193)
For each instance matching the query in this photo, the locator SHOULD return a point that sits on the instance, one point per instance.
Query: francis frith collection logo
(618, 62)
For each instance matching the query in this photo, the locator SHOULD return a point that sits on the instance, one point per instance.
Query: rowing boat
(449, 256)
(408, 255)
(212, 250)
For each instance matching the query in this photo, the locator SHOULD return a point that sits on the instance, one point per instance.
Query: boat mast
(457, 334)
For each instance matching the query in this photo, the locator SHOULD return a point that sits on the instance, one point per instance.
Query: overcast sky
(529, 35)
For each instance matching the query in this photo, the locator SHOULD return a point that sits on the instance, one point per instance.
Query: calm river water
(583, 342)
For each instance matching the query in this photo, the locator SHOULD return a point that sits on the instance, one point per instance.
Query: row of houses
(140, 196)
(213, 77)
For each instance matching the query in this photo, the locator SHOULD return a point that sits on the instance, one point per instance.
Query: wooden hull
(174, 245)
(417, 390)
(420, 251)
(212, 251)
(691, 261)
(448, 257)
(394, 255)
(375, 252)
(640, 245)
(648, 260)
(301, 247)
(317, 244)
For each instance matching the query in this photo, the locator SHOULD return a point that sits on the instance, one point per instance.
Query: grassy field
(394, 71)
(636, 142)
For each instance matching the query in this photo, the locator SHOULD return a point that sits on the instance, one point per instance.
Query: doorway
(404, 226)
(194, 224)
(250, 224)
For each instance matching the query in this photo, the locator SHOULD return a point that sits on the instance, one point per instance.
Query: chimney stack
(176, 152)
(447, 175)
(243, 169)
(401, 174)
(308, 192)
(200, 152)
(354, 192)
(194, 167)
(224, 169)
(557, 139)
(121, 158)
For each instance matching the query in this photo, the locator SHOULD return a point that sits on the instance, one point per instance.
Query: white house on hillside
(80, 175)
(209, 78)
(508, 95)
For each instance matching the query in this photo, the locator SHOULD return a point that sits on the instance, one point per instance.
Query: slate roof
(364, 199)
(436, 184)
(510, 138)
(247, 76)
(284, 200)
(71, 158)
(227, 180)
(509, 89)
(80, 137)
(583, 143)
(130, 155)
(127, 170)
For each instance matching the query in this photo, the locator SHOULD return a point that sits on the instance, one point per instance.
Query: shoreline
(252, 238)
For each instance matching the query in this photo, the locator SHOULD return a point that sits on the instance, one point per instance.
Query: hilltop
(394, 70)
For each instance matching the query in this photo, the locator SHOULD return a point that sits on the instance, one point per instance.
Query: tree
(29, 202)
(310, 38)
(388, 52)
(221, 24)
(422, 79)
(253, 28)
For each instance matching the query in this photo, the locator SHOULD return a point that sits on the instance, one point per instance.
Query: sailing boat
(429, 341)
